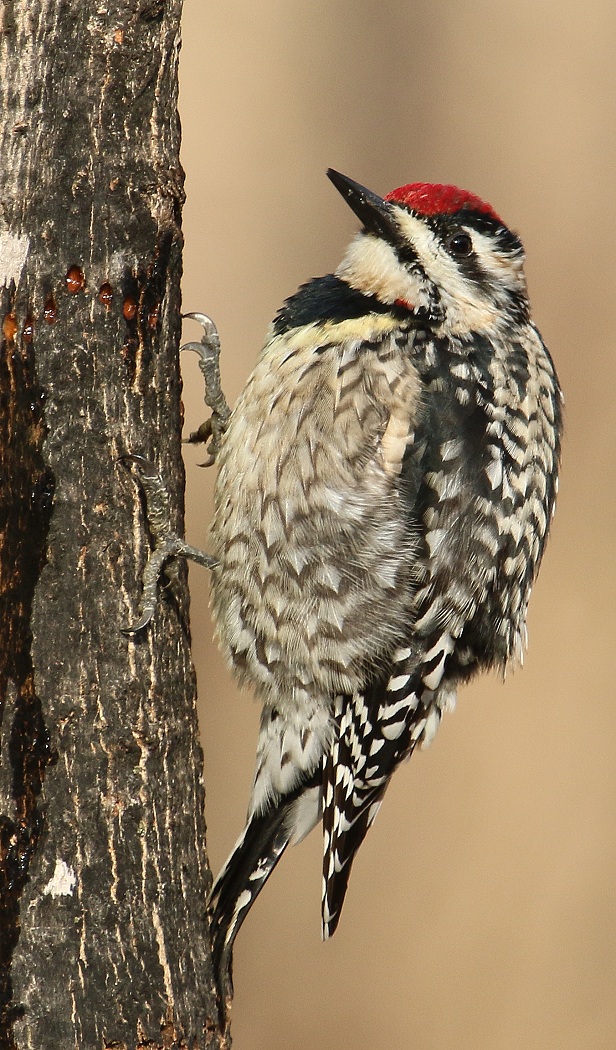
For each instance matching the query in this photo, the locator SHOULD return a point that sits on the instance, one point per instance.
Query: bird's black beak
(372, 210)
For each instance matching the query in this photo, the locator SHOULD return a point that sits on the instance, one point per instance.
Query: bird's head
(437, 251)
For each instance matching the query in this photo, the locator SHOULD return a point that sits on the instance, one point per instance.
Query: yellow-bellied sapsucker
(385, 488)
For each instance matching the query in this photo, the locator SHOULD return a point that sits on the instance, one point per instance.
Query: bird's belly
(314, 578)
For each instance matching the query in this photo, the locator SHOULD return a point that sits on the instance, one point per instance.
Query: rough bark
(103, 872)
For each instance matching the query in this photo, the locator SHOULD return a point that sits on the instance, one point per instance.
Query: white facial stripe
(463, 301)
(442, 268)
(439, 265)
(502, 266)
(371, 265)
(424, 240)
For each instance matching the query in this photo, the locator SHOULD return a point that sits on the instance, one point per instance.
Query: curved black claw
(208, 350)
(167, 544)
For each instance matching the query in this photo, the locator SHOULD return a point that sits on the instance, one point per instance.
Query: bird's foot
(208, 350)
(167, 544)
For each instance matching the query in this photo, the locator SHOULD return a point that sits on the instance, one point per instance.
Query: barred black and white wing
(375, 731)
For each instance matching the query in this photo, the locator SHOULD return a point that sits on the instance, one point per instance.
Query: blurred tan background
(482, 907)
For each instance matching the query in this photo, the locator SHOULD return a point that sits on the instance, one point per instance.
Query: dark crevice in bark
(26, 491)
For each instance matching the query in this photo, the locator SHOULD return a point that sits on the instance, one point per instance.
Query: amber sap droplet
(153, 316)
(105, 295)
(9, 326)
(50, 312)
(129, 308)
(27, 332)
(75, 280)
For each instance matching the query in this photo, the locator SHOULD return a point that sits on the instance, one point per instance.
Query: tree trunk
(103, 870)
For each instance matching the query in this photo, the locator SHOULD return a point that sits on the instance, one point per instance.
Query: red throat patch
(428, 198)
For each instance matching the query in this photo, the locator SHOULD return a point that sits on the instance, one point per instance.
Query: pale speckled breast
(316, 556)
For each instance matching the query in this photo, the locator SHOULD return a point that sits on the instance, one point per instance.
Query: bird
(385, 487)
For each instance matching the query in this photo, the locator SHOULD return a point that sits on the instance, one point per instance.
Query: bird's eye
(460, 245)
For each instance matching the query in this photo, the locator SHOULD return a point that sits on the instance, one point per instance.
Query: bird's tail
(252, 861)
(350, 806)
(375, 731)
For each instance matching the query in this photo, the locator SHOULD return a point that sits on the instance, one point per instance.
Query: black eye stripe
(446, 228)
(406, 254)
